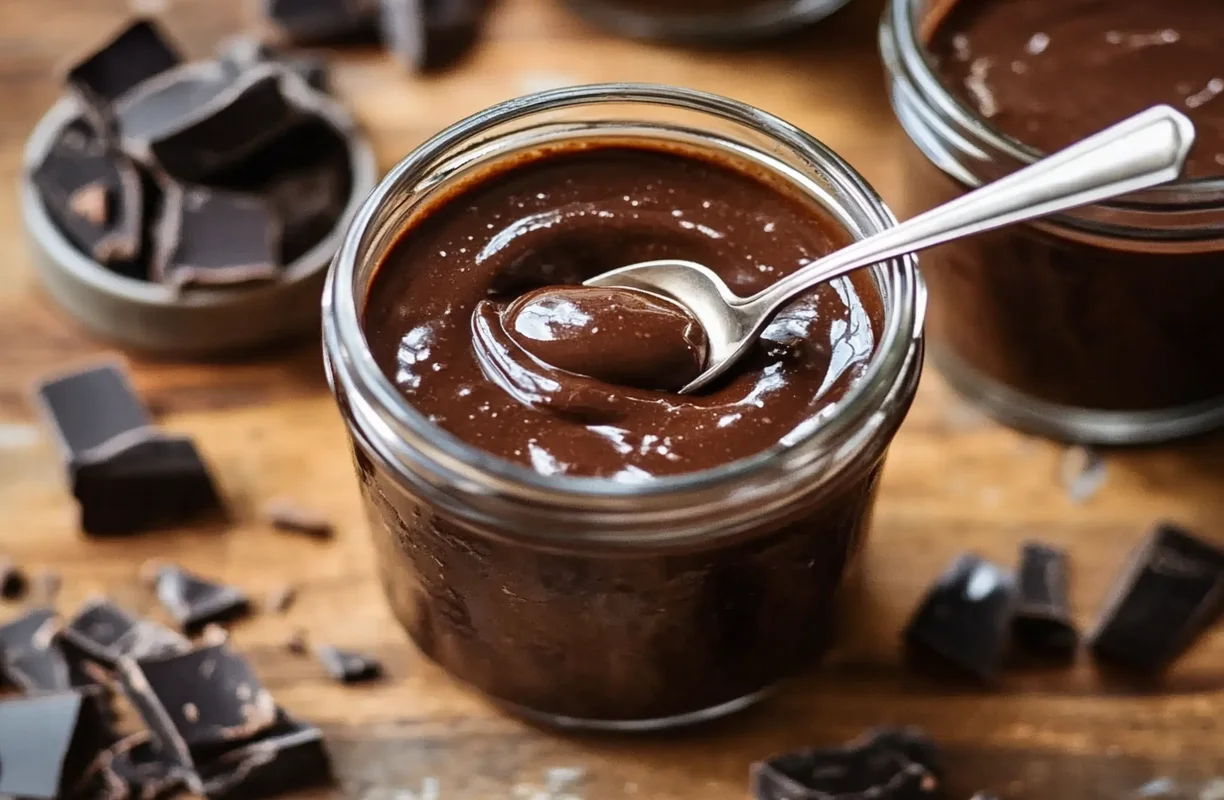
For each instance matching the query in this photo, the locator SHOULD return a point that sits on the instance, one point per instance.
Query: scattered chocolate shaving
(13, 582)
(127, 475)
(286, 515)
(1168, 592)
(882, 764)
(1083, 473)
(1042, 622)
(965, 617)
(195, 602)
(280, 598)
(348, 666)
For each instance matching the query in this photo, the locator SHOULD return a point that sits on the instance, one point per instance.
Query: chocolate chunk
(131, 57)
(1042, 621)
(104, 633)
(200, 703)
(32, 659)
(13, 582)
(286, 515)
(193, 125)
(965, 616)
(280, 598)
(47, 743)
(311, 191)
(214, 238)
(319, 21)
(348, 666)
(881, 764)
(195, 602)
(1169, 591)
(289, 758)
(426, 35)
(126, 475)
(94, 196)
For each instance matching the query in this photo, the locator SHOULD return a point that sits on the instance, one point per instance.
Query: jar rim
(907, 45)
(464, 462)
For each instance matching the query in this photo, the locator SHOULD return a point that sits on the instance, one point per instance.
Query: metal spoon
(1147, 149)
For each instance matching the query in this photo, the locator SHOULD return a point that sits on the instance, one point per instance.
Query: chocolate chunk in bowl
(638, 565)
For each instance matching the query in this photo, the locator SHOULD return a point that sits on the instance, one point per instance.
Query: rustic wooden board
(266, 423)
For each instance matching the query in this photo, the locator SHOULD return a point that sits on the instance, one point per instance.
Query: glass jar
(704, 20)
(583, 601)
(1099, 326)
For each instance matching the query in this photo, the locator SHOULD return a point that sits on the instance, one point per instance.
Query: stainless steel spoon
(1147, 149)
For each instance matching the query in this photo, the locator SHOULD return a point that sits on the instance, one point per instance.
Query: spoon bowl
(1145, 150)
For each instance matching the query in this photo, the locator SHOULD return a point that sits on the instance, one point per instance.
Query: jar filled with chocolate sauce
(1101, 325)
(704, 20)
(575, 539)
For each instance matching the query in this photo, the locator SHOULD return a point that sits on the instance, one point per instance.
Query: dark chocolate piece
(226, 120)
(427, 35)
(311, 194)
(1042, 622)
(320, 21)
(195, 602)
(17, 634)
(200, 703)
(291, 757)
(286, 515)
(94, 196)
(13, 582)
(31, 657)
(126, 475)
(131, 57)
(104, 633)
(296, 642)
(239, 53)
(880, 764)
(965, 616)
(1162, 601)
(280, 598)
(348, 666)
(215, 238)
(47, 743)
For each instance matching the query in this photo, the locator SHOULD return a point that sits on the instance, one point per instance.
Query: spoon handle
(1147, 149)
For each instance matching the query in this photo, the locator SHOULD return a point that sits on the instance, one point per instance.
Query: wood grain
(266, 423)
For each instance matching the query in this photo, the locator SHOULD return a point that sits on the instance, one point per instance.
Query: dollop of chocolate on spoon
(619, 336)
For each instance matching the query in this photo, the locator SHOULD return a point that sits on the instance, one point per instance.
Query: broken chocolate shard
(877, 765)
(219, 119)
(125, 474)
(47, 743)
(195, 602)
(1170, 590)
(348, 666)
(149, 639)
(965, 617)
(94, 196)
(129, 58)
(200, 703)
(286, 515)
(1042, 622)
(216, 238)
(32, 660)
(104, 633)
(322, 21)
(13, 582)
(428, 35)
(291, 757)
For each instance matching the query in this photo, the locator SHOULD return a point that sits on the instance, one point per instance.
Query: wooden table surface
(267, 424)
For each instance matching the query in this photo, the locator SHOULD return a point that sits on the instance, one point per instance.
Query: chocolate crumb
(348, 666)
(296, 642)
(90, 203)
(286, 515)
(13, 582)
(280, 598)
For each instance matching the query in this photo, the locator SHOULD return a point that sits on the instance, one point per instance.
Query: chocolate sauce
(618, 336)
(559, 218)
(1051, 72)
